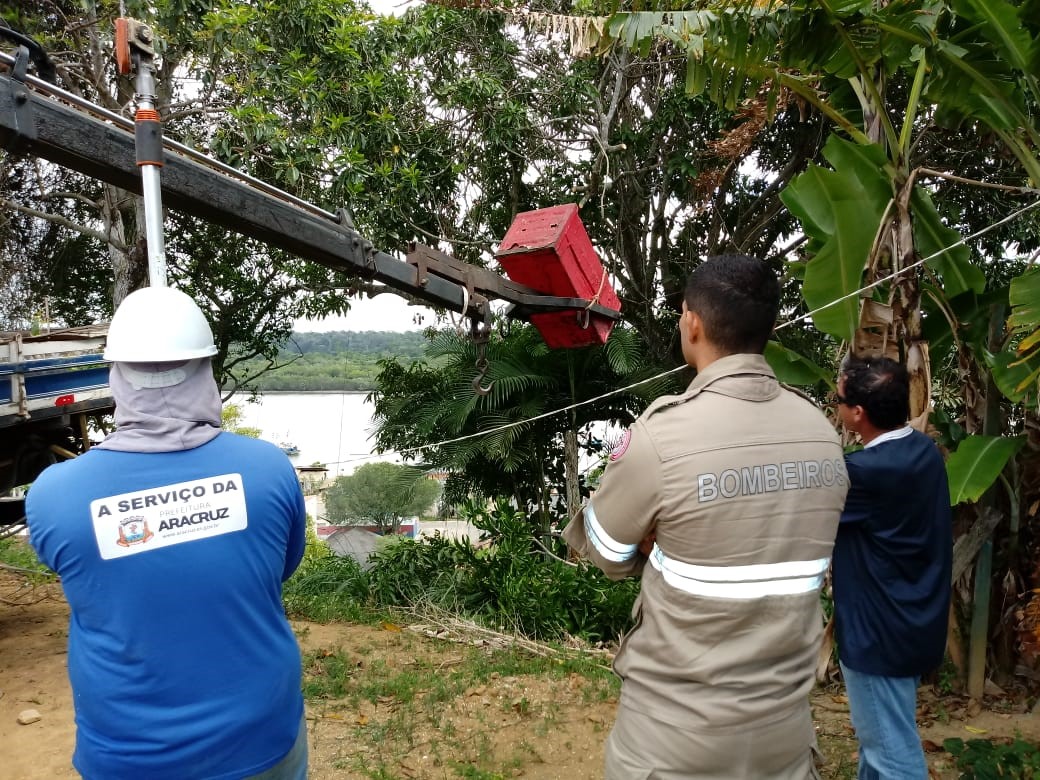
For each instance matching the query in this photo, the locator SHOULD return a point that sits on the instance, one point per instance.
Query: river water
(335, 428)
(329, 428)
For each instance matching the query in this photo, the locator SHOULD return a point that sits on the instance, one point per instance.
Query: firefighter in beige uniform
(732, 493)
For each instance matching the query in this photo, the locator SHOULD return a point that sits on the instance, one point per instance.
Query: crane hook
(478, 388)
(480, 336)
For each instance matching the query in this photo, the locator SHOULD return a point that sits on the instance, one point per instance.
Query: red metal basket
(549, 251)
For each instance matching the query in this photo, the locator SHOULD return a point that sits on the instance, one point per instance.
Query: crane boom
(42, 120)
(48, 383)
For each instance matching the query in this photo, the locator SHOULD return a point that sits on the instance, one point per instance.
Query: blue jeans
(294, 765)
(883, 711)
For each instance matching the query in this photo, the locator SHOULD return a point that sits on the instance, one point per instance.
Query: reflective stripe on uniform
(605, 544)
(741, 582)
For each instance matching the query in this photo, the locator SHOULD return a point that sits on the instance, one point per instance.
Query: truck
(52, 385)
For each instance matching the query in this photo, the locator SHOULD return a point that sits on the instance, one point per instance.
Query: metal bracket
(21, 103)
(525, 300)
(524, 307)
(21, 64)
(359, 244)
(44, 66)
(142, 38)
(345, 218)
(471, 278)
(134, 40)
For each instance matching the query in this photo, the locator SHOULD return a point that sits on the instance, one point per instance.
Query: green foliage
(510, 584)
(793, 368)
(949, 677)
(840, 211)
(432, 401)
(327, 587)
(977, 463)
(1024, 297)
(332, 362)
(231, 420)
(314, 548)
(380, 494)
(984, 759)
(371, 343)
(934, 240)
(1018, 377)
(16, 552)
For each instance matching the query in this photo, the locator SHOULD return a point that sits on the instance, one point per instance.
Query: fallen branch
(440, 624)
(23, 570)
(551, 554)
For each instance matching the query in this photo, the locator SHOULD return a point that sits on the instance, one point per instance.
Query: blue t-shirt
(893, 557)
(182, 663)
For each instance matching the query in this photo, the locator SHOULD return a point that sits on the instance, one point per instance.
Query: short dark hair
(881, 386)
(737, 298)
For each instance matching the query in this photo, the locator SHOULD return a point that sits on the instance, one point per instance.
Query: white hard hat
(157, 325)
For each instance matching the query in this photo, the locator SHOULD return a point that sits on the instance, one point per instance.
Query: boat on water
(288, 448)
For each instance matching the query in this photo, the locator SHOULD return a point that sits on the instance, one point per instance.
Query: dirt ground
(505, 714)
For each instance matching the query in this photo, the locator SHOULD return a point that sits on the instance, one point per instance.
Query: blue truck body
(50, 385)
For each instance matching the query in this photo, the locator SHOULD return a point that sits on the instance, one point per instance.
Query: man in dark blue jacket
(892, 562)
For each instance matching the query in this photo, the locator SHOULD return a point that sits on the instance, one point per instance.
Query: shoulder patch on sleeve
(619, 449)
(664, 402)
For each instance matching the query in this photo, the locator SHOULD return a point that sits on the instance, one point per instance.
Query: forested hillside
(334, 361)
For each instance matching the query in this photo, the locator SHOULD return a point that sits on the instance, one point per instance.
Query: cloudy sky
(384, 312)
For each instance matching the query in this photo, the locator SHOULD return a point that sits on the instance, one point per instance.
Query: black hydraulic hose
(45, 69)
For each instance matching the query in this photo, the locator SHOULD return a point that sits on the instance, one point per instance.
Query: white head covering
(163, 407)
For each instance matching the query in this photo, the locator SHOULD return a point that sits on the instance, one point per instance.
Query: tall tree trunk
(570, 467)
(893, 329)
(118, 246)
(992, 425)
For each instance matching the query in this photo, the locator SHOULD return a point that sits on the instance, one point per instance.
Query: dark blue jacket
(892, 559)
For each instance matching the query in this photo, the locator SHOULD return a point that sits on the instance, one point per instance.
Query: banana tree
(886, 74)
(882, 72)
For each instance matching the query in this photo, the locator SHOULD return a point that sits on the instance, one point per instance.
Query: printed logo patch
(131, 523)
(619, 450)
(133, 530)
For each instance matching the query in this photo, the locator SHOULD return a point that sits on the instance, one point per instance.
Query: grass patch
(326, 674)
(336, 674)
(473, 773)
(424, 708)
(15, 551)
(839, 753)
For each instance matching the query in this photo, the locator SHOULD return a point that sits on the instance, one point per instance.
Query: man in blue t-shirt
(892, 565)
(172, 540)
